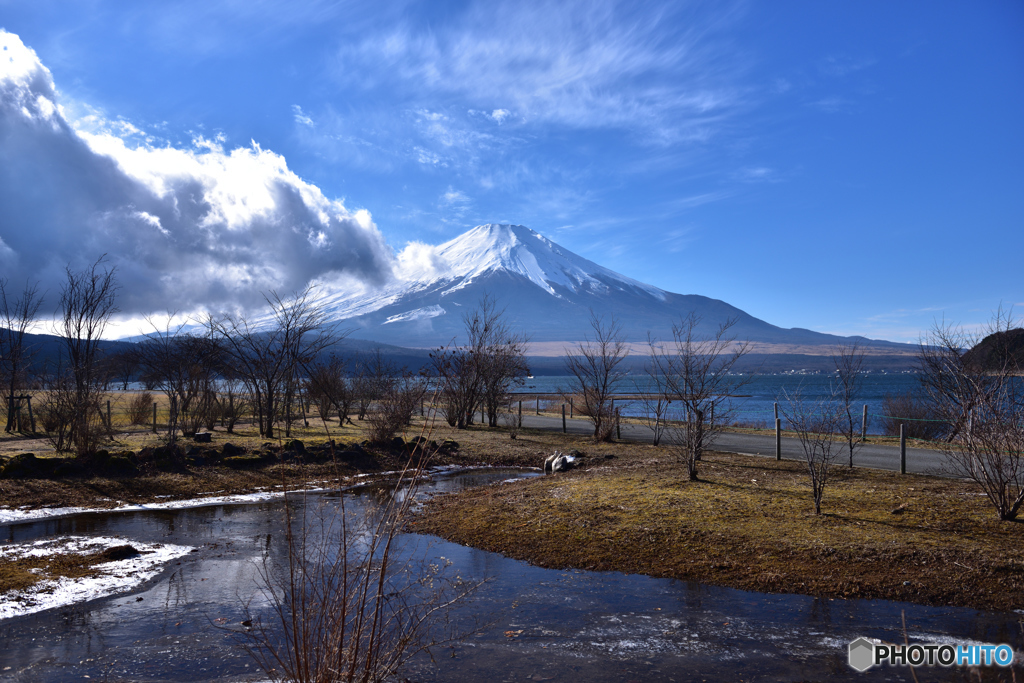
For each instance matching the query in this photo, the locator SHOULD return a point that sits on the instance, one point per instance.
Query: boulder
(295, 445)
(120, 466)
(203, 437)
(70, 468)
(23, 466)
(230, 449)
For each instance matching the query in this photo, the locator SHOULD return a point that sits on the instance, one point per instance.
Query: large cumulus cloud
(186, 228)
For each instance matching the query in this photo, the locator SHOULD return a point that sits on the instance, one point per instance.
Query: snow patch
(417, 314)
(19, 516)
(115, 577)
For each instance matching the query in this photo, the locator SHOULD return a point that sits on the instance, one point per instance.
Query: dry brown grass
(750, 524)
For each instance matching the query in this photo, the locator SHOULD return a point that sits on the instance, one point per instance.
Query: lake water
(754, 405)
(564, 625)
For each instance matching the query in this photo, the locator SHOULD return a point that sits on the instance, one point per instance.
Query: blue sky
(850, 167)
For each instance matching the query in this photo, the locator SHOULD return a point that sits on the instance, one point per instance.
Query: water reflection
(547, 624)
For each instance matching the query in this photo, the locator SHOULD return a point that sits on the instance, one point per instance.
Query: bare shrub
(915, 414)
(982, 401)
(512, 417)
(395, 407)
(819, 427)
(233, 406)
(140, 408)
(343, 607)
(329, 390)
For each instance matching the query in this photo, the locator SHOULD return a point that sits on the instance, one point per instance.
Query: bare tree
(697, 373)
(184, 366)
(848, 359)
(16, 317)
(479, 374)
(502, 356)
(981, 397)
(595, 374)
(266, 354)
(818, 426)
(124, 366)
(329, 389)
(87, 302)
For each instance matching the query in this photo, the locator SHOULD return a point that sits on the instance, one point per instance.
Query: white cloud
(300, 116)
(453, 197)
(500, 115)
(185, 228)
(419, 261)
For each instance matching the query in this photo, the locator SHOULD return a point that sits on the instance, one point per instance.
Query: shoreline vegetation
(748, 523)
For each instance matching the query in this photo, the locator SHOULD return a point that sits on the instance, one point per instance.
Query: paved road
(919, 460)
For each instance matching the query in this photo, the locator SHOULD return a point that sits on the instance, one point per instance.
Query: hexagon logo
(862, 654)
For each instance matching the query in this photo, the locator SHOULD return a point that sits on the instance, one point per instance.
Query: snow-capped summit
(520, 251)
(547, 292)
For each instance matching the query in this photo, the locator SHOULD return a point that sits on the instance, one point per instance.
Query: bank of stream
(546, 624)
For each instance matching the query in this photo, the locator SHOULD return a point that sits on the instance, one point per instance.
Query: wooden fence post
(776, 411)
(538, 405)
(31, 417)
(563, 418)
(570, 408)
(903, 450)
(864, 424)
(154, 417)
(778, 438)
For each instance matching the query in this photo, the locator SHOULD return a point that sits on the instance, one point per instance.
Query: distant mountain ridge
(547, 292)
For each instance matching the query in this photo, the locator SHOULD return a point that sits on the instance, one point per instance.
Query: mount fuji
(547, 292)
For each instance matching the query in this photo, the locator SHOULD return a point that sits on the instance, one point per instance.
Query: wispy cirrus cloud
(577, 64)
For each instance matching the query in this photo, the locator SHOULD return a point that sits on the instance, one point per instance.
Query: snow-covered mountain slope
(547, 292)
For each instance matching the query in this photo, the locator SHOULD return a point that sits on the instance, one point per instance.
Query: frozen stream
(548, 624)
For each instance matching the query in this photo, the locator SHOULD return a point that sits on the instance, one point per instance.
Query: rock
(23, 466)
(203, 437)
(295, 445)
(70, 468)
(230, 449)
(449, 445)
(118, 552)
(120, 466)
(241, 462)
(397, 444)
